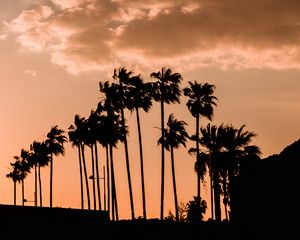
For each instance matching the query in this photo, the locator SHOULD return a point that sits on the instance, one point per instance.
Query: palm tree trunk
(141, 162)
(104, 190)
(162, 159)
(81, 180)
(115, 215)
(40, 185)
(127, 164)
(217, 190)
(108, 179)
(232, 203)
(98, 177)
(211, 190)
(93, 174)
(225, 193)
(15, 193)
(174, 184)
(35, 185)
(51, 178)
(86, 177)
(23, 192)
(198, 155)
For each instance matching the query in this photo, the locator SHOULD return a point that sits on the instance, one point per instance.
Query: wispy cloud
(31, 72)
(3, 36)
(84, 35)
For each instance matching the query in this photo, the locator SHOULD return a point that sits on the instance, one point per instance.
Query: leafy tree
(195, 210)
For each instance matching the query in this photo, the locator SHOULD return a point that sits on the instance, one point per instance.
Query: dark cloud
(87, 34)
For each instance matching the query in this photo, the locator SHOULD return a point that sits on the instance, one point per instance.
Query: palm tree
(112, 132)
(120, 102)
(15, 176)
(237, 148)
(212, 140)
(55, 144)
(38, 158)
(94, 134)
(78, 135)
(74, 138)
(24, 168)
(140, 97)
(174, 136)
(165, 90)
(201, 104)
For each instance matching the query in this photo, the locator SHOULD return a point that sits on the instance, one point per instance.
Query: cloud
(84, 35)
(3, 36)
(31, 72)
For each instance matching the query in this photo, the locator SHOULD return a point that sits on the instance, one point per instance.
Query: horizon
(55, 53)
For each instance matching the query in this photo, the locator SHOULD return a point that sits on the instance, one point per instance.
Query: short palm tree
(174, 136)
(55, 144)
(15, 176)
(24, 168)
(212, 140)
(165, 90)
(201, 104)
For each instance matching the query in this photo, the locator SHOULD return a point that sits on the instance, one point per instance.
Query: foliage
(195, 210)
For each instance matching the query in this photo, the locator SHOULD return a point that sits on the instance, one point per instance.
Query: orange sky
(54, 53)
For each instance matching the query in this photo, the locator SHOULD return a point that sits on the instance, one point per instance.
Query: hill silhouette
(269, 196)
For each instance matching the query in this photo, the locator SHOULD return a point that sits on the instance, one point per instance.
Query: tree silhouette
(94, 135)
(15, 176)
(237, 148)
(74, 138)
(201, 104)
(120, 102)
(165, 90)
(24, 168)
(195, 210)
(38, 158)
(114, 129)
(140, 97)
(174, 136)
(212, 140)
(55, 144)
(78, 134)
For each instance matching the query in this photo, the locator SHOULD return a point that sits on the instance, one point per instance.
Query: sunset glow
(55, 53)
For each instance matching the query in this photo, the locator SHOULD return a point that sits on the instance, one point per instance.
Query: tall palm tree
(212, 140)
(55, 144)
(94, 134)
(237, 148)
(174, 136)
(74, 138)
(165, 90)
(140, 97)
(201, 104)
(79, 132)
(112, 132)
(120, 102)
(38, 158)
